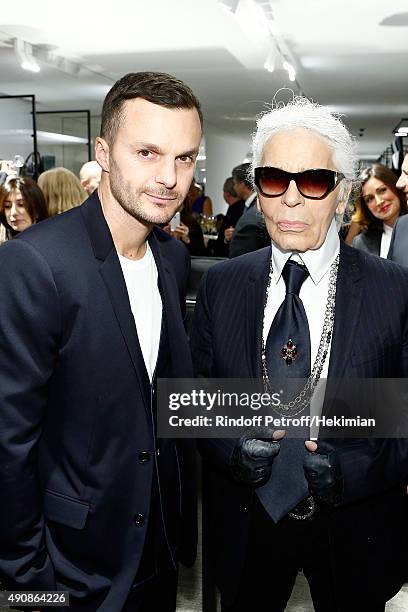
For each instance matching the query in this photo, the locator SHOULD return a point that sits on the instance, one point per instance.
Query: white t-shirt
(146, 304)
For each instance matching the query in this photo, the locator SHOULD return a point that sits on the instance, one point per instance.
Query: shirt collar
(387, 229)
(250, 199)
(317, 261)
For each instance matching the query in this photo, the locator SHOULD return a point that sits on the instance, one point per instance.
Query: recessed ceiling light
(395, 20)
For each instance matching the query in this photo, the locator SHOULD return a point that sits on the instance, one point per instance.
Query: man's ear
(102, 153)
(341, 205)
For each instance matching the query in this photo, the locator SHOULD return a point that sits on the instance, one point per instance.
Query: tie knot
(294, 275)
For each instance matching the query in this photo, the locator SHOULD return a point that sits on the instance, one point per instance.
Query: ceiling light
(270, 63)
(229, 5)
(290, 70)
(396, 20)
(402, 128)
(24, 54)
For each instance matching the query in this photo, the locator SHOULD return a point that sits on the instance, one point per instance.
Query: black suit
(367, 535)
(78, 453)
(234, 213)
(250, 232)
(369, 241)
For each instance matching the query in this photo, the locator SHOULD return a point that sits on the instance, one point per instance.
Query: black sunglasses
(312, 184)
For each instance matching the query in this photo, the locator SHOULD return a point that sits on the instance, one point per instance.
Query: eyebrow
(154, 147)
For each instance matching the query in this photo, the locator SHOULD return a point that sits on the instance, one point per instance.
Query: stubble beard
(131, 201)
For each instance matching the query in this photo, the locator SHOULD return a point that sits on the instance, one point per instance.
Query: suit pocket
(65, 510)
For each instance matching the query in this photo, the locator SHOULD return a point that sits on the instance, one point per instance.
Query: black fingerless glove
(323, 473)
(253, 456)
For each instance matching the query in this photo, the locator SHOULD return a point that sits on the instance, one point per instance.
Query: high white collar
(250, 199)
(317, 261)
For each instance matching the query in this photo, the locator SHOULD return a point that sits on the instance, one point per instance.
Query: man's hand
(229, 232)
(323, 473)
(253, 456)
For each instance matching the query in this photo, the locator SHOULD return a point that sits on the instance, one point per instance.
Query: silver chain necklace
(298, 404)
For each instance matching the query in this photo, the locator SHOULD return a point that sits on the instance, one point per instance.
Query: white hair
(302, 113)
(90, 170)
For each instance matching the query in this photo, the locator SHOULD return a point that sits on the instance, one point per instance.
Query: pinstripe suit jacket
(370, 340)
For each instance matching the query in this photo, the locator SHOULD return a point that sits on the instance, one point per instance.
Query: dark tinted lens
(273, 181)
(315, 183)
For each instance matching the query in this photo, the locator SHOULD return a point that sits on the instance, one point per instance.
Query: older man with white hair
(305, 308)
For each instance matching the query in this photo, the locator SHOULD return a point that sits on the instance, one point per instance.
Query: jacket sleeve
(250, 234)
(372, 466)
(216, 451)
(29, 332)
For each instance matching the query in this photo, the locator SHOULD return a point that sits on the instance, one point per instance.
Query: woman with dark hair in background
(378, 207)
(22, 204)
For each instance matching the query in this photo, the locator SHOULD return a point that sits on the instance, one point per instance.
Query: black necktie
(288, 356)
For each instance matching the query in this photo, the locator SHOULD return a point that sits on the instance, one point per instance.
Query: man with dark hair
(91, 315)
(250, 232)
(236, 207)
(399, 241)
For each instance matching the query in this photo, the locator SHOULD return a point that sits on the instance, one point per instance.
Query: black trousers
(155, 585)
(276, 553)
(155, 594)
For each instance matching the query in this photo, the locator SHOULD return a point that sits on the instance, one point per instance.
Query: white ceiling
(342, 55)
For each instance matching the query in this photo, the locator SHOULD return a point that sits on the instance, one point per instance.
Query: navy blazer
(250, 232)
(369, 241)
(77, 413)
(370, 340)
(399, 242)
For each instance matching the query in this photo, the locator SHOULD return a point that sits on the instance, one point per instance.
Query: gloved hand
(253, 456)
(323, 472)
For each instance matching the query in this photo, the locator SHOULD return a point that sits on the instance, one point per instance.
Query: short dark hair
(33, 200)
(156, 87)
(229, 187)
(243, 173)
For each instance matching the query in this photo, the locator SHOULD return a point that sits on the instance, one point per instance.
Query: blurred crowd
(367, 225)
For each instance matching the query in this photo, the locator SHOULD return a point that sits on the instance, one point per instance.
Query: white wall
(223, 152)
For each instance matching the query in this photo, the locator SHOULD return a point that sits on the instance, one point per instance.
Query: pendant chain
(298, 404)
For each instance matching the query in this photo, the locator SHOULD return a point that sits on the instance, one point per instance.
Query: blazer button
(144, 456)
(139, 519)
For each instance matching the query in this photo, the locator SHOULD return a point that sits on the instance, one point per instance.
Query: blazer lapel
(112, 275)
(255, 302)
(348, 304)
(179, 351)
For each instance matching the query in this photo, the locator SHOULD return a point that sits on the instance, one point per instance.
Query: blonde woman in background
(62, 190)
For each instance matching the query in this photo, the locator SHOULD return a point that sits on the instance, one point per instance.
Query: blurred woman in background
(22, 204)
(197, 203)
(378, 207)
(62, 190)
